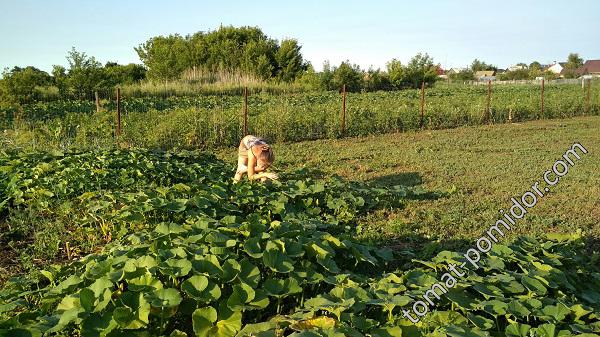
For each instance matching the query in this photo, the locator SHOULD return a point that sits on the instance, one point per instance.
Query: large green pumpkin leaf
(98, 325)
(165, 298)
(545, 330)
(176, 267)
(517, 309)
(456, 331)
(203, 319)
(281, 287)
(135, 313)
(207, 323)
(533, 285)
(241, 294)
(146, 282)
(480, 321)
(249, 273)
(278, 261)
(252, 247)
(517, 330)
(555, 313)
(194, 286)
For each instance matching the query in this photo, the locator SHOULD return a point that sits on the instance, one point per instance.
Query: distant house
(590, 67)
(455, 70)
(439, 70)
(485, 75)
(557, 67)
(517, 67)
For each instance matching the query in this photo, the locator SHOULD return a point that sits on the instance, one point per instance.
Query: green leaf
(387, 332)
(494, 307)
(165, 298)
(252, 247)
(556, 313)
(98, 325)
(281, 287)
(545, 330)
(177, 333)
(249, 273)
(257, 329)
(231, 269)
(177, 205)
(278, 261)
(146, 282)
(533, 285)
(208, 264)
(87, 299)
(194, 286)
(516, 308)
(210, 294)
(176, 267)
(480, 321)
(135, 313)
(202, 320)
(241, 294)
(517, 330)
(456, 331)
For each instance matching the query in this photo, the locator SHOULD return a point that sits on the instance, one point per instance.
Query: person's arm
(252, 169)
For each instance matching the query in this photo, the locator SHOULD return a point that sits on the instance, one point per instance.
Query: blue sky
(503, 33)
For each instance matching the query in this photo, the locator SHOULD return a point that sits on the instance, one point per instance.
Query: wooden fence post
(587, 98)
(542, 97)
(97, 101)
(245, 111)
(488, 111)
(421, 121)
(343, 124)
(118, 112)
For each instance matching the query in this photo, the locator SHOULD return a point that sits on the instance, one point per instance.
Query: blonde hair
(266, 155)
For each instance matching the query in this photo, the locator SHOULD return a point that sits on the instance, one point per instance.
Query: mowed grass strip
(479, 168)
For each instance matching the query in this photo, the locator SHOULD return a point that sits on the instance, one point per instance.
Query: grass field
(478, 168)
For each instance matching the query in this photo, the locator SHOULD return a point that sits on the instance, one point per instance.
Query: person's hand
(270, 175)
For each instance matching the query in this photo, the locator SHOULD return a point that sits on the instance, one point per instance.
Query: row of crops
(216, 120)
(183, 251)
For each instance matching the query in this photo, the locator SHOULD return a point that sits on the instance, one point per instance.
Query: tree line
(242, 54)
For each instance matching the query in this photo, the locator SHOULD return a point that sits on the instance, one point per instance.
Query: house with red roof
(590, 67)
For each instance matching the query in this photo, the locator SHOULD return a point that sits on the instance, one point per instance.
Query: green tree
(420, 69)
(85, 74)
(517, 74)
(396, 73)
(289, 60)
(349, 75)
(165, 57)
(116, 74)
(310, 79)
(327, 77)
(245, 50)
(535, 70)
(573, 63)
(462, 76)
(478, 65)
(59, 77)
(20, 84)
(375, 79)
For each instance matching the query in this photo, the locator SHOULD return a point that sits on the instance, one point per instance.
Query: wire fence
(169, 120)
